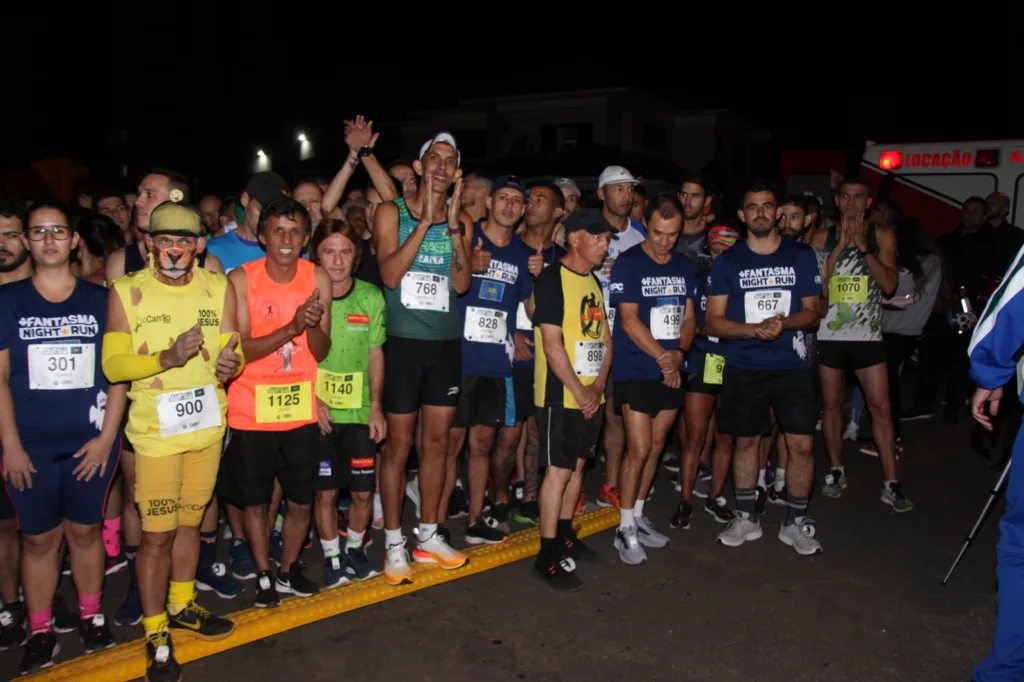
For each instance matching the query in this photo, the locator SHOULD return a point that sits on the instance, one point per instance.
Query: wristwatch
(365, 151)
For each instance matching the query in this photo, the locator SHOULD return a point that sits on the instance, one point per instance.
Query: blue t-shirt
(57, 381)
(233, 251)
(660, 291)
(523, 324)
(702, 344)
(761, 286)
(487, 312)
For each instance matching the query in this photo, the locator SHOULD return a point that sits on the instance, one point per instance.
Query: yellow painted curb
(127, 661)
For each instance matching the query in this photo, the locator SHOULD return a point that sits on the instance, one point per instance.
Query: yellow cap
(172, 218)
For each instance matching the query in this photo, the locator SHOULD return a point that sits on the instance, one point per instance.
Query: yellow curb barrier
(128, 662)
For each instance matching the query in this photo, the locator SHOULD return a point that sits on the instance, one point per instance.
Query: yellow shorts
(174, 490)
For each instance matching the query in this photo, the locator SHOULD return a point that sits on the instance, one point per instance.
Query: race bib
(424, 291)
(760, 305)
(848, 289)
(61, 366)
(523, 323)
(278, 403)
(485, 325)
(340, 391)
(188, 411)
(665, 321)
(714, 366)
(589, 358)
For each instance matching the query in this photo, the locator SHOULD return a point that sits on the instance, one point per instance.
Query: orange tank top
(275, 393)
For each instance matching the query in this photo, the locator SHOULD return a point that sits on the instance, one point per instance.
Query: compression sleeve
(120, 365)
(225, 339)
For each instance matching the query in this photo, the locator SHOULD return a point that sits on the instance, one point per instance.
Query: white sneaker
(378, 513)
(435, 550)
(628, 544)
(800, 536)
(741, 529)
(648, 536)
(412, 491)
(852, 429)
(396, 565)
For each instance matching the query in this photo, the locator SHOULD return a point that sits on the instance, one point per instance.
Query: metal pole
(984, 513)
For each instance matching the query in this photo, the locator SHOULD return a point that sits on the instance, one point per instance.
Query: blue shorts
(56, 495)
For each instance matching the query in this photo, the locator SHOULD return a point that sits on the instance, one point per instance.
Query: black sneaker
(40, 650)
(500, 512)
(529, 513)
(294, 582)
(719, 509)
(681, 519)
(560, 575)
(357, 565)
(63, 620)
(457, 505)
(266, 595)
(574, 548)
(95, 633)
(12, 626)
(485, 532)
(160, 663)
(115, 564)
(777, 497)
(200, 623)
(517, 493)
(761, 501)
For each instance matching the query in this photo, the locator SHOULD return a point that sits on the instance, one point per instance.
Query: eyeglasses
(38, 233)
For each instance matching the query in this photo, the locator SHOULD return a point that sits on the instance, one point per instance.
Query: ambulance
(930, 180)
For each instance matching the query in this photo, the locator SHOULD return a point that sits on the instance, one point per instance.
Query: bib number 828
(188, 408)
(488, 323)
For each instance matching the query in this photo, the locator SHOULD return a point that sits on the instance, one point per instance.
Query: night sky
(185, 92)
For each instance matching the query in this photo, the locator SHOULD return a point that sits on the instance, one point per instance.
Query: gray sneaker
(835, 483)
(648, 536)
(702, 486)
(741, 529)
(628, 544)
(800, 536)
(893, 496)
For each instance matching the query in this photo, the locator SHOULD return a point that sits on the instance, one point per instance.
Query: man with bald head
(474, 195)
(209, 210)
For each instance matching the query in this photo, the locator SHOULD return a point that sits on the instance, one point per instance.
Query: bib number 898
(595, 355)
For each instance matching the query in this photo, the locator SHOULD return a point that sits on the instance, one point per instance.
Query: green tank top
(343, 379)
(855, 299)
(423, 304)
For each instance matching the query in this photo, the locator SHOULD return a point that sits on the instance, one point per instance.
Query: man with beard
(14, 261)
(423, 248)
(695, 195)
(763, 297)
(501, 282)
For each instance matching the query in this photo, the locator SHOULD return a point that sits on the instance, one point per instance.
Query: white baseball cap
(445, 137)
(616, 175)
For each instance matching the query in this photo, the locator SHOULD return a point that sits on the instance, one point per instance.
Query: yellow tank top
(182, 409)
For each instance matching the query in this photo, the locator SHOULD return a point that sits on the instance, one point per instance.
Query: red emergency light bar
(890, 160)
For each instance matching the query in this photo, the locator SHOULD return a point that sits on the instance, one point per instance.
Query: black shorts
(566, 437)
(485, 401)
(695, 379)
(347, 459)
(6, 506)
(749, 395)
(649, 397)
(851, 354)
(421, 373)
(253, 459)
(522, 386)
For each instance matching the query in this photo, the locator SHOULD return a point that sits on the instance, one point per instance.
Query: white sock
(331, 547)
(392, 537)
(780, 480)
(626, 518)
(426, 531)
(761, 478)
(355, 540)
(638, 509)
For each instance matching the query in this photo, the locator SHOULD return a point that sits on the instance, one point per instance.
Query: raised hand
(228, 360)
(481, 257)
(455, 205)
(536, 261)
(308, 314)
(183, 348)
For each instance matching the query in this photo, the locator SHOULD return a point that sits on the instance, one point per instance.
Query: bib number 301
(188, 411)
(284, 403)
(61, 366)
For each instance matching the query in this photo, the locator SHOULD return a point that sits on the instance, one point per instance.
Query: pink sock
(39, 621)
(112, 536)
(89, 604)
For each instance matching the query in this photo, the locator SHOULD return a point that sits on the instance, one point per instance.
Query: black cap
(590, 220)
(266, 186)
(508, 182)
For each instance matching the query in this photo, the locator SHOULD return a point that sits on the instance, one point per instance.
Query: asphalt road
(870, 607)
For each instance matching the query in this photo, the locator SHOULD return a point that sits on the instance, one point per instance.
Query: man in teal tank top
(423, 249)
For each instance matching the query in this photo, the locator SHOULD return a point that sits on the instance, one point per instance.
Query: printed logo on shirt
(781, 276)
(142, 321)
(207, 318)
(663, 286)
(30, 328)
(616, 287)
(503, 272)
(357, 322)
(491, 291)
(591, 317)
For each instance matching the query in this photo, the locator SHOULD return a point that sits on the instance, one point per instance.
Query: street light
(259, 153)
(302, 137)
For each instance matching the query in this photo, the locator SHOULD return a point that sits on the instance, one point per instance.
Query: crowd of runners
(292, 363)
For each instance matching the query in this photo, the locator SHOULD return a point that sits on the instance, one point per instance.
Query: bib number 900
(188, 408)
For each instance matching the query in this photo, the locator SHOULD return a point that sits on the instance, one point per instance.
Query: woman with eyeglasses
(59, 429)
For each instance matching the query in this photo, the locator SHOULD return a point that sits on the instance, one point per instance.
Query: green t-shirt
(357, 325)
